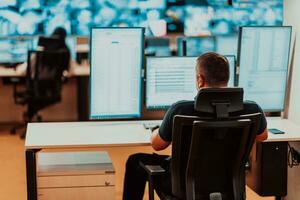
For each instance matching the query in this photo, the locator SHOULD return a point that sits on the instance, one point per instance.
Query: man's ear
(200, 81)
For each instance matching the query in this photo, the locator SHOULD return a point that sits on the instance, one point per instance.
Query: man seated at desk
(212, 70)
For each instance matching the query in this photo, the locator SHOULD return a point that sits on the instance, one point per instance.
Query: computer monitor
(14, 49)
(168, 80)
(263, 65)
(171, 79)
(195, 46)
(227, 44)
(116, 68)
(157, 47)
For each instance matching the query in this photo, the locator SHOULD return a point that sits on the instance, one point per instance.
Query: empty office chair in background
(209, 153)
(43, 83)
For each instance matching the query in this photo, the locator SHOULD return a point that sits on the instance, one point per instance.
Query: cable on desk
(293, 157)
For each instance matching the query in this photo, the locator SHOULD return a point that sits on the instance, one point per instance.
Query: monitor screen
(168, 80)
(195, 46)
(116, 67)
(14, 50)
(263, 63)
(171, 79)
(157, 47)
(227, 44)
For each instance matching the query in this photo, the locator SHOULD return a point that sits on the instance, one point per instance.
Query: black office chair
(209, 153)
(43, 83)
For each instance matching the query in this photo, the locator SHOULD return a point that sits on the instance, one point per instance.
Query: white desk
(104, 134)
(86, 134)
(20, 71)
(79, 70)
(78, 135)
(292, 130)
(10, 72)
(82, 134)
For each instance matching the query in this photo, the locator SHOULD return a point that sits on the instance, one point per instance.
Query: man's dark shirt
(187, 108)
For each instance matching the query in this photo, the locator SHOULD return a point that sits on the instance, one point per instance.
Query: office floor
(12, 167)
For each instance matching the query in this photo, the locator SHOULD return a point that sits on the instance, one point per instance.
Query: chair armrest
(65, 77)
(153, 170)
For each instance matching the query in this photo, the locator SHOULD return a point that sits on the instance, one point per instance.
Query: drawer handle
(107, 183)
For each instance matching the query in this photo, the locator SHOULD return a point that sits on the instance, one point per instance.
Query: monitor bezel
(288, 67)
(118, 116)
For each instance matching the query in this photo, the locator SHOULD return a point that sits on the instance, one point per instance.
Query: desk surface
(10, 72)
(86, 134)
(78, 70)
(75, 70)
(124, 133)
(292, 130)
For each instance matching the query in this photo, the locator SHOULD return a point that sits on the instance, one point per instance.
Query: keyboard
(151, 125)
(11, 65)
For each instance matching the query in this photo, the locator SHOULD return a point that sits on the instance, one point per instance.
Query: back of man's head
(213, 68)
(60, 32)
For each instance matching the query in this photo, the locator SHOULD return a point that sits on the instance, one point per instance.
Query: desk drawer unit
(76, 193)
(75, 175)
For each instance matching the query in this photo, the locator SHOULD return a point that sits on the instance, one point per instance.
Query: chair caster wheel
(13, 131)
(23, 135)
(39, 118)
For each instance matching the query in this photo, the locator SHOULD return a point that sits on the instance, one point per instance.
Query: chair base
(13, 131)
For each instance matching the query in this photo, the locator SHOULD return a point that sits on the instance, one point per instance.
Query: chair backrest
(215, 157)
(183, 128)
(219, 101)
(44, 73)
(181, 140)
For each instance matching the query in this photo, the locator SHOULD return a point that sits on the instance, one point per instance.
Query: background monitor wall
(195, 46)
(227, 44)
(157, 46)
(14, 50)
(191, 17)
